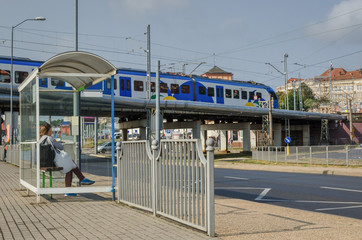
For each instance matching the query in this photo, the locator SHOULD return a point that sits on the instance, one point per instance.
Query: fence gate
(174, 180)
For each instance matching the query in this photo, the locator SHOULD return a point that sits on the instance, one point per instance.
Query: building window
(4, 76)
(244, 94)
(138, 86)
(20, 76)
(163, 87)
(228, 93)
(235, 136)
(175, 89)
(185, 89)
(202, 90)
(236, 94)
(210, 92)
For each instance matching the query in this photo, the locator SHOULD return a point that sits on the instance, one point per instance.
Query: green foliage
(309, 100)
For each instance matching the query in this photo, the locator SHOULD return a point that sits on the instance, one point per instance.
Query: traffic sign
(287, 140)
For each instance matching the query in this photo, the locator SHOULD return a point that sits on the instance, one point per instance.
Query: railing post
(210, 188)
(118, 161)
(347, 157)
(154, 176)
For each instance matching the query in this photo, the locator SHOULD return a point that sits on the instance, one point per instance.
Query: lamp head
(40, 18)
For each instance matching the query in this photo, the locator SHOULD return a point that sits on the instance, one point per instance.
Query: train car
(132, 83)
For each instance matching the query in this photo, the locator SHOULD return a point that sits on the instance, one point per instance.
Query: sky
(239, 36)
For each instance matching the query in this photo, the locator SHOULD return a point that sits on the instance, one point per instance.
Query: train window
(153, 87)
(4, 76)
(43, 82)
(228, 93)
(258, 94)
(202, 90)
(138, 86)
(108, 84)
(163, 87)
(244, 95)
(128, 85)
(20, 76)
(122, 84)
(210, 92)
(185, 88)
(58, 83)
(251, 95)
(175, 88)
(236, 94)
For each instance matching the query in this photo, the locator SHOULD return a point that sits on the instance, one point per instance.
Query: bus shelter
(51, 94)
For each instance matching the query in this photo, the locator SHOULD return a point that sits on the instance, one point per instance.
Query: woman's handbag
(62, 159)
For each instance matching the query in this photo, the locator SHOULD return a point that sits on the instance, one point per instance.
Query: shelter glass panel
(28, 137)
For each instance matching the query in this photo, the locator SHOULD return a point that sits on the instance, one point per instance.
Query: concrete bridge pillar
(246, 137)
(203, 138)
(223, 141)
(124, 134)
(277, 132)
(143, 134)
(196, 129)
(306, 135)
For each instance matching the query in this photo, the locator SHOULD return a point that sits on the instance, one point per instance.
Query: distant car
(106, 147)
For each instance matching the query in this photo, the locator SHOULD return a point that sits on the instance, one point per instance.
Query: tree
(308, 99)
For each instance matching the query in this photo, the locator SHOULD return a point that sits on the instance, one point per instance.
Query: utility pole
(148, 82)
(350, 121)
(286, 80)
(294, 97)
(300, 94)
(270, 121)
(330, 83)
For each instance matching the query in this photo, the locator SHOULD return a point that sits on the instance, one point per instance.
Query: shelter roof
(79, 69)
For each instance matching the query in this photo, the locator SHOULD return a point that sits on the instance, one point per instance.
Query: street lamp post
(12, 72)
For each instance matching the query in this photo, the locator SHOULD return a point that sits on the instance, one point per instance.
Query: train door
(125, 87)
(220, 94)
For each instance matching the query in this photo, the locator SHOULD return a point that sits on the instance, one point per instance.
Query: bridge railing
(174, 180)
(344, 155)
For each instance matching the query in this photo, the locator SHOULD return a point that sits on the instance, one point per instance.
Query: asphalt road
(338, 195)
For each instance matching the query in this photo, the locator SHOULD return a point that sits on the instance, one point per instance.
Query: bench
(50, 170)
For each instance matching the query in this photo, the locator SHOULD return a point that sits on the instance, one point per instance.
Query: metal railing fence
(174, 180)
(343, 155)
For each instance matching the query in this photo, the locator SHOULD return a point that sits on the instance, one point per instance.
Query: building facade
(337, 85)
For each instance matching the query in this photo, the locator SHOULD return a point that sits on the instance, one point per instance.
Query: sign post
(287, 140)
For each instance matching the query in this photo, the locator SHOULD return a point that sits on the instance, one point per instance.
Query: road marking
(238, 178)
(337, 208)
(342, 189)
(262, 194)
(238, 188)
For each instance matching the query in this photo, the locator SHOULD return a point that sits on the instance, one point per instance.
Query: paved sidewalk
(88, 216)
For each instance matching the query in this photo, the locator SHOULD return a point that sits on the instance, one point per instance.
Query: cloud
(142, 7)
(345, 23)
(231, 24)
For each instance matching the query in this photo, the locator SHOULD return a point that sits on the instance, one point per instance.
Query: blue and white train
(132, 83)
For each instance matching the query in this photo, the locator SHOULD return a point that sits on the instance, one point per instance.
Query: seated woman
(46, 131)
